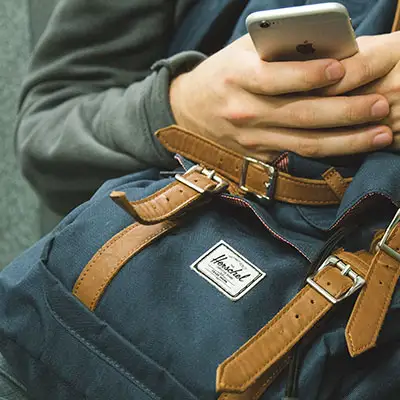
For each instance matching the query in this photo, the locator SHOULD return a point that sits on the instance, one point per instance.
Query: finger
(316, 144)
(393, 119)
(318, 112)
(275, 78)
(375, 59)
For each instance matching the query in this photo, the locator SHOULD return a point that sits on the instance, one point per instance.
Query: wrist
(177, 100)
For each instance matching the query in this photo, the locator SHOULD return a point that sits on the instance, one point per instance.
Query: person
(99, 86)
(106, 75)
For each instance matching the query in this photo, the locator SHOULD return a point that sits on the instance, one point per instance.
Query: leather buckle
(382, 244)
(346, 270)
(269, 184)
(210, 174)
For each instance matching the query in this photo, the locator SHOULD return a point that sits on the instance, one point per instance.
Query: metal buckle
(346, 270)
(268, 184)
(221, 184)
(382, 244)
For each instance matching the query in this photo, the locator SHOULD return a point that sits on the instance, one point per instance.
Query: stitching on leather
(301, 201)
(146, 202)
(382, 313)
(98, 254)
(270, 379)
(164, 216)
(237, 156)
(271, 324)
(331, 178)
(359, 265)
(123, 260)
(188, 155)
(282, 198)
(198, 139)
(320, 185)
(361, 300)
(159, 192)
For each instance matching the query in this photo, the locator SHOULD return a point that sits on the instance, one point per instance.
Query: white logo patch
(228, 271)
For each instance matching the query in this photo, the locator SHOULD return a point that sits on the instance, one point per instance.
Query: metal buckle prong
(243, 177)
(210, 174)
(345, 270)
(382, 244)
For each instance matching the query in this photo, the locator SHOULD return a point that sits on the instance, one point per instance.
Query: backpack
(230, 279)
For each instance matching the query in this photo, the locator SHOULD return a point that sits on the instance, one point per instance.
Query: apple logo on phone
(305, 48)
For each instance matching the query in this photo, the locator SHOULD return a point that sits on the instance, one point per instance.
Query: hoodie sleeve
(96, 90)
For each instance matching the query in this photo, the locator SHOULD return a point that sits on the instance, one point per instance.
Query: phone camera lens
(265, 24)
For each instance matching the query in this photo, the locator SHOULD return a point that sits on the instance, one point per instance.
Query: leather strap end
(122, 201)
(336, 182)
(372, 305)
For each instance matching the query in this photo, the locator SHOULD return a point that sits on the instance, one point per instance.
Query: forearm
(91, 102)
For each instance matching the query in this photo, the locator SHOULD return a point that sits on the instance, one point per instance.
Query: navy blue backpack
(226, 279)
(221, 281)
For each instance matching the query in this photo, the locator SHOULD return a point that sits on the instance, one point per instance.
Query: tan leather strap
(258, 389)
(336, 182)
(255, 176)
(109, 260)
(373, 303)
(396, 22)
(240, 371)
(172, 199)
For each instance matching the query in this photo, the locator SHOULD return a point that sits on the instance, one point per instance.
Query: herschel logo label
(227, 270)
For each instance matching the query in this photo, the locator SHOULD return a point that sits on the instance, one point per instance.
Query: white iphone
(303, 33)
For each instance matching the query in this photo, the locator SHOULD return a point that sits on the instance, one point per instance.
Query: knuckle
(236, 114)
(365, 73)
(306, 117)
(309, 147)
(352, 112)
(246, 141)
(310, 79)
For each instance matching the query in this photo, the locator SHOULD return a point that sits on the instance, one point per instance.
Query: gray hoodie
(95, 93)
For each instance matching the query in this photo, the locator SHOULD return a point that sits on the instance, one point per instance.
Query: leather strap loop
(232, 165)
(336, 182)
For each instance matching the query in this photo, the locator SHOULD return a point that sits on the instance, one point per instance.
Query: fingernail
(380, 109)
(382, 139)
(334, 71)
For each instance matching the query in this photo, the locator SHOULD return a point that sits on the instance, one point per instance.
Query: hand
(259, 108)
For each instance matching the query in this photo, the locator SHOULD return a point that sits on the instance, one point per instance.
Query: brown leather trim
(240, 371)
(108, 261)
(167, 202)
(373, 303)
(230, 165)
(336, 182)
(396, 22)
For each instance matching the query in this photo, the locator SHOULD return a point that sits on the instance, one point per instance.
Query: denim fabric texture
(160, 330)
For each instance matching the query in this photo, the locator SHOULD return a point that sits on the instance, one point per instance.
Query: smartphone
(303, 33)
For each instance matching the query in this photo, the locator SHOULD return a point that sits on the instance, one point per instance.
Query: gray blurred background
(22, 217)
